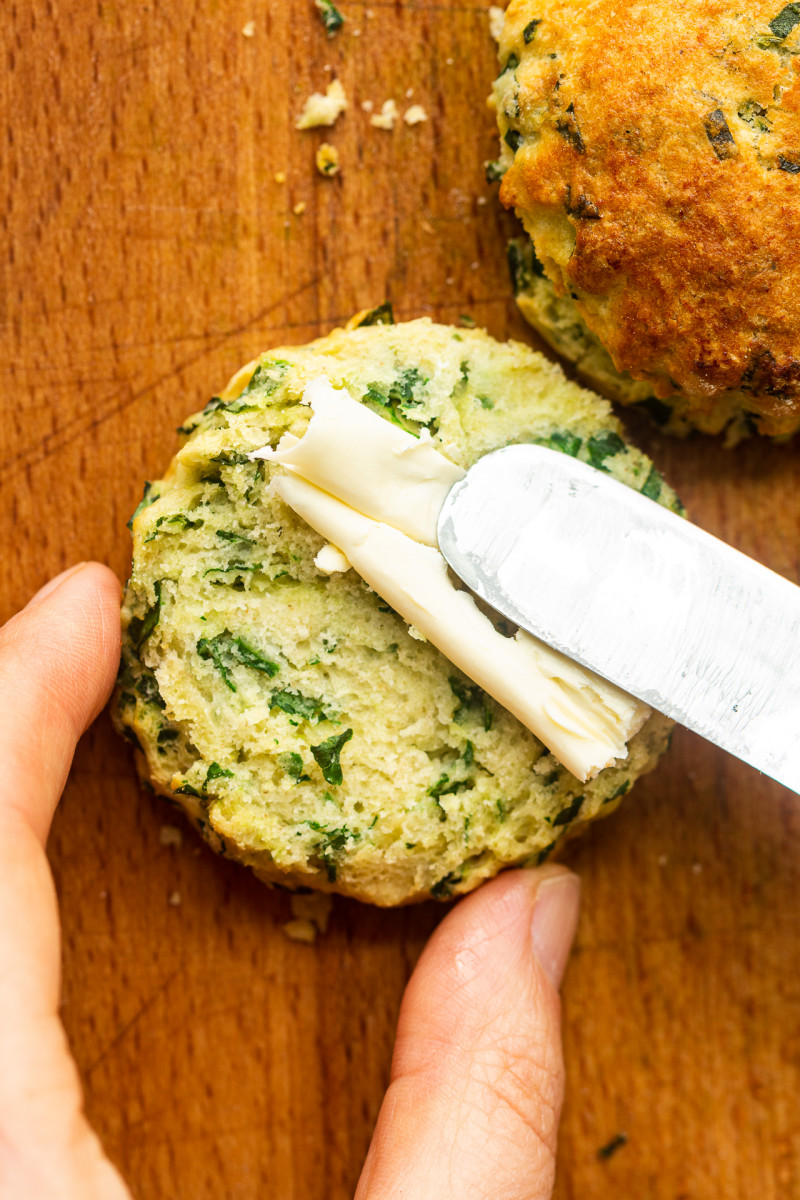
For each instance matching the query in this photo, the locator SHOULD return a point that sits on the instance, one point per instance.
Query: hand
(477, 1076)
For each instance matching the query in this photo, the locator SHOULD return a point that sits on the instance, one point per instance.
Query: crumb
(175, 899)
(415, 633)
(497, 19)
(327, 68)
(356, 33)
(467, 322)
(415, 115)
(299, 208)
(331, 18)
(249, 30)
(387, 117)
(315, 907)
(322, 109)
(450, 281)
(697, 868)
(409, 93)
(662, 860)
(474, 266)
(426, 225)
(104, 894)
(483, 200)
(330, 560)
(301, 931)
(448, 62)
(170, 835)
(280, 177)
(611, 1148)
(367, 106)
(327, 160)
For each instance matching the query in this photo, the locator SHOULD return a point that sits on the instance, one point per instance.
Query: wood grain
(147, 250)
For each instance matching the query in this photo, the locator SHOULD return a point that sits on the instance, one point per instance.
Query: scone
(305, 729)
(652, 152)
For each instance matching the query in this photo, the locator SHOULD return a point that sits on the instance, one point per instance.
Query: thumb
(477, 1076)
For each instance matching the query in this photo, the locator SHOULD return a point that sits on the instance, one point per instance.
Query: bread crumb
(327, 160)
(697, 868)
(175, 899)
(415, 633)
(280, 177)
(299, 208)
(448, 62)
(301, 931)
(332, 19)
(322, 109)
(367, 106)
(249, 30)
(170, 835)
(330, 560)
(415, 115)
(662, 860)
(387, 117)
(315, 907)
(497, 19)
(409, 93)
(483, 200)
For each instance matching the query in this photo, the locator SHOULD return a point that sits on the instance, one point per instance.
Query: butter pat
(370, 464)
(585, 721)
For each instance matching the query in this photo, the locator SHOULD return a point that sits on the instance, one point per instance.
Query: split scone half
(281, 674)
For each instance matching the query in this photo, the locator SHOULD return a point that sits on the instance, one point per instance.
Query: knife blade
(637, 594)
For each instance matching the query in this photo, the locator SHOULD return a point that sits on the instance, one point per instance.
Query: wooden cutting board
(148, 249)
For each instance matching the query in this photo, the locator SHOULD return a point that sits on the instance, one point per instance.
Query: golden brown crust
(658, 172)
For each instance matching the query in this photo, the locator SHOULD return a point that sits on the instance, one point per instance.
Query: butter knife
(637, 594)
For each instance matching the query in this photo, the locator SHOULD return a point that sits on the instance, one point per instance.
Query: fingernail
(555, 919)
(54, 583)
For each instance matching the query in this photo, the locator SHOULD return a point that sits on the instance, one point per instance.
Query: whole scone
(652, 151)
(301, 724)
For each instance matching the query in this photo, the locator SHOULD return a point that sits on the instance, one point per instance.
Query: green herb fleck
(652, 485)
(382, 315)
(147, 687)
(178, 523)
(529, 32)
(621, 790)
(494, 171)
(719, 135)
(186, 789)
(229, 536)
(568, 814)
(237, 567)
(332, 19)
(567, 126)
(446, 886)
(294, 704)
(149, 496)
(444, 786)
(326, 755)
(140, 628)
(792, 165)
(215, 771)
(485, 402)
(602, 446)
(469, 755)
(543, 855)
(332, 842)
(512, 62)
(611, 1148)
(786, 20)
(523, 265)
(656, 410)
(266, 379)
(227, 651)
(470, 698)
(565, 442)
(513, 139)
